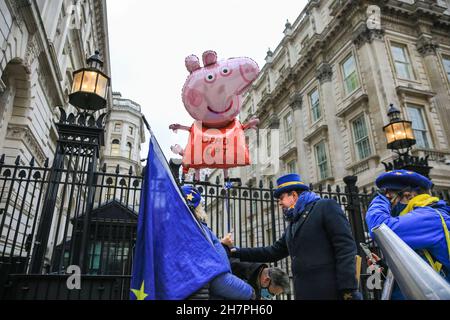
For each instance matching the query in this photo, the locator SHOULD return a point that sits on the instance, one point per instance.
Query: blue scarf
(304, 199)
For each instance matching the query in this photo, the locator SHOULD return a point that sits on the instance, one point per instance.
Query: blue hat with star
(192, 195)
(289, 183)
(401, 179)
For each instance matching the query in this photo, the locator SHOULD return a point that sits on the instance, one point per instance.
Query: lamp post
(400, 138)
(80, 135)
(90, 85)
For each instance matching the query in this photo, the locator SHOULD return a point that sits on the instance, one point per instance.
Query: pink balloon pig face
(213, 94)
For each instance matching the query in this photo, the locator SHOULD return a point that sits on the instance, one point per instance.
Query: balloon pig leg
(197, 175)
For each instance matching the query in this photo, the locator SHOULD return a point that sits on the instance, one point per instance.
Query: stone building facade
(42, 42)
(323, 94)
(124, 134)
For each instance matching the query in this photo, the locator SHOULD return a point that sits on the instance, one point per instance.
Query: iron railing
(250, 212)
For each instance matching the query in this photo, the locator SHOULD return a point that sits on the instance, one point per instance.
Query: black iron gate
(92, 223)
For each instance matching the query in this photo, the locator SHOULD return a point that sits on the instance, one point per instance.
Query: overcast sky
(150, 39)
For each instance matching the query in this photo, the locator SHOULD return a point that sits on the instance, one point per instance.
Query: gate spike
(130, 172)
(2, 159)
(104, 168)
(32, 162)
(46, 163)
(17, 162)
(63, 115)
(117, 169)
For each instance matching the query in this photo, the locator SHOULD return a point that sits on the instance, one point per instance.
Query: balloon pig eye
(210, 77)
(225, 72)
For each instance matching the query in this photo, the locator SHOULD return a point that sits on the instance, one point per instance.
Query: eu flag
(173, 258)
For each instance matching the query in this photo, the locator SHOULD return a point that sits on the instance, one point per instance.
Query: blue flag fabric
(173, 258)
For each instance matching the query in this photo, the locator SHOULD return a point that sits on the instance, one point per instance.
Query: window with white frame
(288, 123)
(402, 61)
(351, 81)
(315, 105)
(129, 150)
(415, 114)
(269, 143)
(117, 127)
(446, 61)
(291, 166)
(115, 147)
(130, 130)
(321, 160)
(361, 137)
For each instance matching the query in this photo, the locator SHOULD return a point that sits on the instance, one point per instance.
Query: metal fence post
(354, 210)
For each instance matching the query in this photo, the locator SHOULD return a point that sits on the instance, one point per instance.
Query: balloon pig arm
(177, 149)
(177, 126)
(252, 124)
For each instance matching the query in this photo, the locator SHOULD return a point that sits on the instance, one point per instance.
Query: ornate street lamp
(400, 138)
(90, 85)
(80, 136)
(399, 133)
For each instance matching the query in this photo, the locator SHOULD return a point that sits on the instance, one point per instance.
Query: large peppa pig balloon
(212, 95)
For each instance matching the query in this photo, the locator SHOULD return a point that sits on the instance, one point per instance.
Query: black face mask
(397, 209)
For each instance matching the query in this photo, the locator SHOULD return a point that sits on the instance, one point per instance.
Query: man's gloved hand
(351, 295)
(234, 252)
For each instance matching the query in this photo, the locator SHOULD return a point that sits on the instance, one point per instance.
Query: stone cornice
(350, 106)
(417, 8)
(24, 134)
(274, 122)
(324, 73)
(426, 45)
(316, 131)
(363, 35)
(296, 101)
(403, 91)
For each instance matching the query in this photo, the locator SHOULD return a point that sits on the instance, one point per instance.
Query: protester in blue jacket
(405, 205)
(226, 285)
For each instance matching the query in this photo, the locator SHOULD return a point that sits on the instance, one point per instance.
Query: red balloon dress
(216, 147)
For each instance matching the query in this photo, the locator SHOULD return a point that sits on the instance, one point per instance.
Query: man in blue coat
(226, 285)
(405, 205)
(319, 241)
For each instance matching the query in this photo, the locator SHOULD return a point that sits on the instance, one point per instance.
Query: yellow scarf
(424, 200)
(421, 200)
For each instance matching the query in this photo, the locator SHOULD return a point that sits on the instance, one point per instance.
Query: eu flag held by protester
(169, 240)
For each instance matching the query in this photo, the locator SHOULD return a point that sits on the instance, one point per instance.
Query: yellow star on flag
(190, 197)
(140, 294)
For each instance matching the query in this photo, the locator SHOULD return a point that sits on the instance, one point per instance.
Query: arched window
(129, 150)
(115, 148)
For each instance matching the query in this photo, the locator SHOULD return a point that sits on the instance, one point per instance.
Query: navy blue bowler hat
(288, 183)
(401, 179)
(192, 195)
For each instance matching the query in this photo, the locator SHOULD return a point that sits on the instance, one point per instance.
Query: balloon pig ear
(209, 58)
(192, 63)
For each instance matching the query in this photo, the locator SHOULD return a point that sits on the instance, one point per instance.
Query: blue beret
(192, 195)
(288, 183)
(401, 179)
